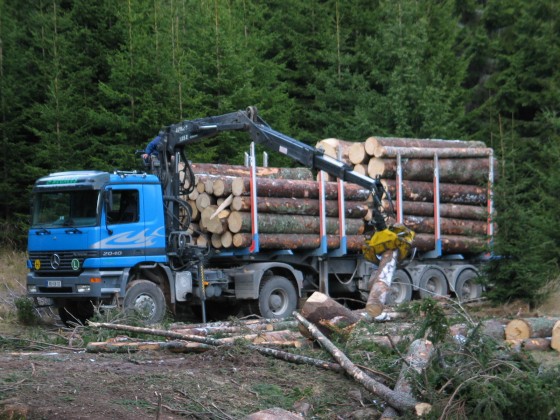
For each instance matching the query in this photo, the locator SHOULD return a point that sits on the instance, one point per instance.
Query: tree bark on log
(244, 171)
(302, 206)
(327, 314)
(428, 153)
(451, 244)
(372, 143)
(417, 358)
(298, 189)
(453, 211)
(291, 223)
(448, 226)
(529, 344)
(399, 400)
(289, 357)
(132, 346)
(294, 241)
(380, 283)
(458, 171)
(530, 328)
(449, 193)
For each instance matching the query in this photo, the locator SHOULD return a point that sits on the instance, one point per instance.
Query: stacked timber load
(287, 205)
(463, 167)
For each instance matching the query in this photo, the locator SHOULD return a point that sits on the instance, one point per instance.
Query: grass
(12, 281)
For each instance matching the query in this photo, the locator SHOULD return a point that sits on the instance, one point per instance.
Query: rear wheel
(401, 289)
(467, 286)
(432, 283)
(76, 312)
(277, 298)
(145, 300)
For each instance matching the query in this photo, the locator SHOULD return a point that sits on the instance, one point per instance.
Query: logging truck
(128, 239)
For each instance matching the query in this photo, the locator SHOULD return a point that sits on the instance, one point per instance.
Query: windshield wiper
(73, 229)
(42, 231)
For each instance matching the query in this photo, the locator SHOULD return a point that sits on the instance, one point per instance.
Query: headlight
(82, 288)
(31, 289)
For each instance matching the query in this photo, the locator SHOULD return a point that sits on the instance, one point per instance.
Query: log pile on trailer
(441, 188)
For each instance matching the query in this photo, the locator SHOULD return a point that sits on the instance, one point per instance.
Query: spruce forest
(84, 84)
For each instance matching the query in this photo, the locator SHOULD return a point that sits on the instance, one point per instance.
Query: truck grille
(60, 263)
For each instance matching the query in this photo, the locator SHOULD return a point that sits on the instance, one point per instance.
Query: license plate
(54, 283)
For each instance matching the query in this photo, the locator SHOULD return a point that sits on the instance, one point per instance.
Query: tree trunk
(459, 171)
(399, 400)
(372, 143)
(448, 226)
(303, 206)
(327, 314)
(428, 153)
(530, 328)
(451, 244)
(380, 283)
(294, 241)
(449, 193)
(244, 171)
(452, 211)
(416, 360)
(298, 189)
(291, 224)
(530, 344)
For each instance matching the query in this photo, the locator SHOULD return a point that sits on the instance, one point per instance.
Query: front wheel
(277, 298)
(145, 300)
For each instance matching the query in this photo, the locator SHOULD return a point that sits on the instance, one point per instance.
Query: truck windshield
(65, 208)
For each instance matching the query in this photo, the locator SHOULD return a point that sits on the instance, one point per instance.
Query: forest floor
(42, 380)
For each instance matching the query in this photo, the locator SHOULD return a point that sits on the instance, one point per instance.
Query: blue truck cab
(88, 230)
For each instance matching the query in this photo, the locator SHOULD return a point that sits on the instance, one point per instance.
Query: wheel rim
(278, 301)
(145, 305)
(398, 292)
(433, 286)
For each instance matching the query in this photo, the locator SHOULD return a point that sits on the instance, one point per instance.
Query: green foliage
(26, 311)
(435, 324)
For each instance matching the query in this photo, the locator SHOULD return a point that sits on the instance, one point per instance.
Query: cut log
(453, 211)
(449, 193)
(448, 226)
(361, 169)
(555, 341)
(399, 400)
(222, 186)
(380, 283)
(134, 346)
(375, 143)
(298, 189)
(328, 315)
(294, 241)
(288, 223)
(529, 344)
(332, 146)
(451, 244)
(530, 328)
(244, 171)
(428, 153)
(416, 360)
(303, 206)
(460, 171)
(204, 200)
(226, 239)
(357, 153)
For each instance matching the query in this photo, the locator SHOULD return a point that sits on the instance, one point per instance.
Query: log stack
(463, 166)
(288, 209)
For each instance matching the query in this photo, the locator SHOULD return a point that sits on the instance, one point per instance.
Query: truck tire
(467, 286)
(432, 283)
(277, 297)
(145, 300)
(75, 312)
(401, 288)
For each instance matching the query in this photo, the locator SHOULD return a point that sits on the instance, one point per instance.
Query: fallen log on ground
(415, 362)
(328, 315)
(399, 400)
(279, 354)
(134, 346)
(529, 344)
(530, 328)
